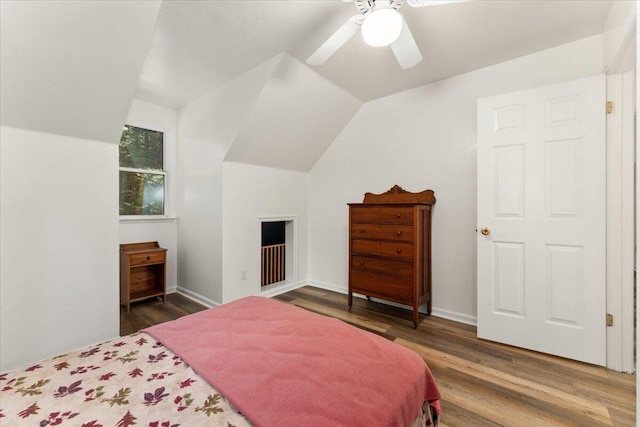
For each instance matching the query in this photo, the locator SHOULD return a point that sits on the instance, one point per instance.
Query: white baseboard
(435, 311)
(197, 297)
(452, 315)
(211, 303)
(282, 289)
(328, 286)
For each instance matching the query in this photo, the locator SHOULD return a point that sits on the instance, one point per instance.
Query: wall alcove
(278, 253)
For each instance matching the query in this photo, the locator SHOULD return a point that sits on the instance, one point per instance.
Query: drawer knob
(361, 262)
(399, 215)
(399, 250)
(399, 233)
(148, 257)
(362, 230)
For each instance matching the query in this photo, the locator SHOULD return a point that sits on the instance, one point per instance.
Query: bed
(254, 361)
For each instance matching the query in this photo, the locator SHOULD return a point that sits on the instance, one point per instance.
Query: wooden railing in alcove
(272, 265)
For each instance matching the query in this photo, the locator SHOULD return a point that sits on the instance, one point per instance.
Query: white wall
(426, 138)
(207, 127)
(162, 230)
(251, 192)
(59, 246)
(617, 33)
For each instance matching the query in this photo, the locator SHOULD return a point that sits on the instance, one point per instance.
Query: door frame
(620, 222)
(621, 191)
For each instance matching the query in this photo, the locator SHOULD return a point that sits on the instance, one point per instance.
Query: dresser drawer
(382, 214)
(146, 258)
(385, 232)
(398, 250)
(374, 284)
(403, 269)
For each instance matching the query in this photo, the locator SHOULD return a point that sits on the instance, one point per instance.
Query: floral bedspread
(132, 380)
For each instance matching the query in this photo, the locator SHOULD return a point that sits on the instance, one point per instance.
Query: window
(142, 172)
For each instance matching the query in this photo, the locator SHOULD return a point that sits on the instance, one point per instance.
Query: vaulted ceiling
(73, 68)
(199, 45)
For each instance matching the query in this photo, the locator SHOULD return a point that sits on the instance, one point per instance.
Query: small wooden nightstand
(142, 272)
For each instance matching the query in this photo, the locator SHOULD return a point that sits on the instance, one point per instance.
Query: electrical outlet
(243, 274)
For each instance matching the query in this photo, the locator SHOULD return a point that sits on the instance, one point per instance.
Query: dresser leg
(350, 299)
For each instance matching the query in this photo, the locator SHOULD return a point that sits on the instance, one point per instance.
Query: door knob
(485, 231)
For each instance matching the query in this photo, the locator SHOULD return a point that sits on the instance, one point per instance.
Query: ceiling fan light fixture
(381, 27)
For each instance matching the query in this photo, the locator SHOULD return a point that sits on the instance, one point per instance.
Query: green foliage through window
(142, 175)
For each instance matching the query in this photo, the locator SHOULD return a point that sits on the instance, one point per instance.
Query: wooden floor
(482, 383)
(153, 311)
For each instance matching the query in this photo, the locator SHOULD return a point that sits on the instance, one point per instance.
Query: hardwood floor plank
(354, 319)
(454, 415)
(552, 398)
(483, 410)
(613, 397)
(153, 311)
(621, 377)
(623, 418)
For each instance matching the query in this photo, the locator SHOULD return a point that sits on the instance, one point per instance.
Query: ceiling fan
(381, 25)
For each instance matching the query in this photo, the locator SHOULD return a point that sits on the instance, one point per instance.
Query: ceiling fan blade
(405, 48)
(336, 41)
(423, 3)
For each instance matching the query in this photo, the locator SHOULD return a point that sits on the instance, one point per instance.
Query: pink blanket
(280, 365)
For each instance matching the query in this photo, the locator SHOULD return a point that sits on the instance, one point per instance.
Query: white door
(542, 203)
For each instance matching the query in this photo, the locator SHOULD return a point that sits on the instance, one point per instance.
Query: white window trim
(149, 171)
(169, 169)
(146, 218)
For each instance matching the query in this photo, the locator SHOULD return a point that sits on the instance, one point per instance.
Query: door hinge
(609, 319)
(609, 107)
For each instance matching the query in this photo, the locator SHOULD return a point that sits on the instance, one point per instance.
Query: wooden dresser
(142, 272)
(390, 248)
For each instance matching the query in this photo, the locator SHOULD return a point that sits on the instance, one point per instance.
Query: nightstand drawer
(382, 214)
(147, 258)
(385, 232)
(402, 269)
(398, 250)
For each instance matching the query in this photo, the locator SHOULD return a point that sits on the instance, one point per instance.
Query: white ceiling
(295, 118)
(199, 45)
(71, 68)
